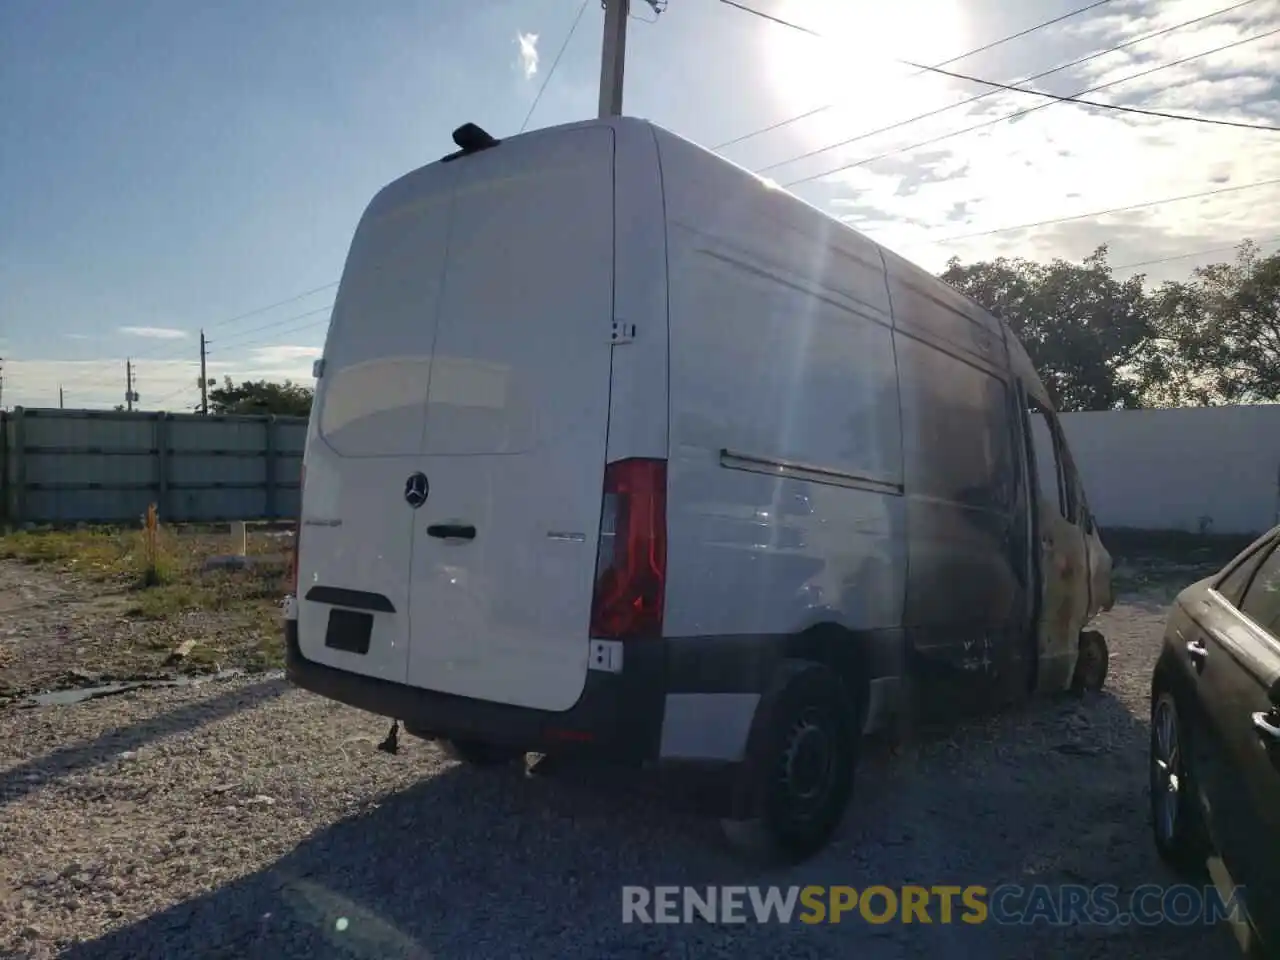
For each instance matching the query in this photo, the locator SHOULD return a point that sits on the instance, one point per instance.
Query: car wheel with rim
(799, 767)
(1174, 824)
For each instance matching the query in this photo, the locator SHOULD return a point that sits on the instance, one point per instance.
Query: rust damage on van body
(1075, 567)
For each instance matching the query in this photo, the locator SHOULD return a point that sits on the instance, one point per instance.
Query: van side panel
(967, 608)
(785, 468)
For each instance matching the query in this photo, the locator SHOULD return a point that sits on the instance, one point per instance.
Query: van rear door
(365, 436)
(504, 549)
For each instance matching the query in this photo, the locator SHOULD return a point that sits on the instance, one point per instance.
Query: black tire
(797, 777)
(481, 754)
(1175, 821)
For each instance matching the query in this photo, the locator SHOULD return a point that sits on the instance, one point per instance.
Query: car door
(1062, 554)
(1236, 749)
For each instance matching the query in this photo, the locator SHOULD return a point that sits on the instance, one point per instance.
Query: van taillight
(297, 535)
(631, 565)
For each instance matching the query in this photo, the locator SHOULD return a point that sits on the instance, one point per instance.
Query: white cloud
(77, 336)
(283, 353)
(1067, 160)
(528, 53)
(155, 333)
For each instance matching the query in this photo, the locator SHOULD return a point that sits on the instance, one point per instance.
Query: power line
(963, 56)
(982, 96)
(1100, 213)
(554, 63)
(1106, 106)
(768, 16)
(243, 316)
(274, 324)
(271, 306)
(280, 333)
(1188, 256)
(1020, 113)
(172, 353)
(159, 404)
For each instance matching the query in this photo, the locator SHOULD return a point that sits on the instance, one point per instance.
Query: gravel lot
(247, 819)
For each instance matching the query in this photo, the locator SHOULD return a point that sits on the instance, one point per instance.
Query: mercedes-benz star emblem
(416, 489)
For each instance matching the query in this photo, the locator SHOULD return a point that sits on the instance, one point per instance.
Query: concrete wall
(102, 466)
(1180, 469)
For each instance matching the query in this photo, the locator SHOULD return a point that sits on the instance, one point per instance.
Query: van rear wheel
(797, 777)
(481, 754)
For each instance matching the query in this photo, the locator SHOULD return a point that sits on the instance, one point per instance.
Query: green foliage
(1223, 331)
(1100, 343)
(1084, 330)
(261, 397)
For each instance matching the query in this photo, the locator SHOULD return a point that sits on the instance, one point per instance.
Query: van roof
(402, 190)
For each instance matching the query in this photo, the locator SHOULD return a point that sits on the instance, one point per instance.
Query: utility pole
(613, 55)
(204, 377)
(128, 384)
(61, 405)
(1, 383)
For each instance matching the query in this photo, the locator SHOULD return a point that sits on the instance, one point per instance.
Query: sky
(167, 168)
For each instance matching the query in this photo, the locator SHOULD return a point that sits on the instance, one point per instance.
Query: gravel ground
(248, 819)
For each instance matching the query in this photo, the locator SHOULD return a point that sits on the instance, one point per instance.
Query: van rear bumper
(617, 713)
(685, 699)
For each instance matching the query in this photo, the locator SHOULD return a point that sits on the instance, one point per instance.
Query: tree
(1223, 331)
(260, 397)
(1088, 334)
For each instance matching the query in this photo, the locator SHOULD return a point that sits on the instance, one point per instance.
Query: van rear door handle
(1197, 651)
(452, 531)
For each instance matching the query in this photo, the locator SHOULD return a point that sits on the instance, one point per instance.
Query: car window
(1261, 602)
(1241, 569)
(1048, 457)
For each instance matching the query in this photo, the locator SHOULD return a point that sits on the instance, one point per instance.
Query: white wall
(1166, 469)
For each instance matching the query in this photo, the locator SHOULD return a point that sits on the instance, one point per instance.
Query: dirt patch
(76, 608)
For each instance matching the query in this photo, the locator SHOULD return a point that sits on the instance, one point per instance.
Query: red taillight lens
(631, 566)
(297, 535)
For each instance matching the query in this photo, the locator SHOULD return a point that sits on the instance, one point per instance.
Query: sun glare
(853, 65)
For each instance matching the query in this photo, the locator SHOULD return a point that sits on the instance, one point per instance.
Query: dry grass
(121, 601)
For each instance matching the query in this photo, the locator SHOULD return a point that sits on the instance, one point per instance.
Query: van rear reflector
(631, 563)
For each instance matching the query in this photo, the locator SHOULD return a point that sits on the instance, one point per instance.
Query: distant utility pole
(613, 55)
(61, 405)
(128, 384)
(1, 383)
(204, 376)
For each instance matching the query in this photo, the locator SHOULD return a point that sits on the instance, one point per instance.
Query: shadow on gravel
(27, 777)
(490, 863)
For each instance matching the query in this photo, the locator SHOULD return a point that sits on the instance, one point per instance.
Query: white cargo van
(618, 448)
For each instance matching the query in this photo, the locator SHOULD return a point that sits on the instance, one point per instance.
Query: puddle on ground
(63, 698)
